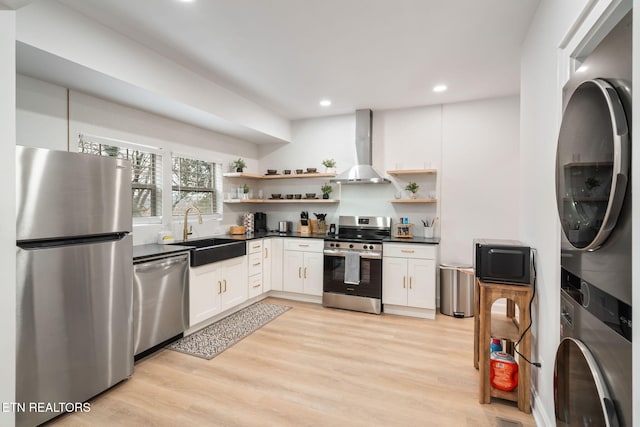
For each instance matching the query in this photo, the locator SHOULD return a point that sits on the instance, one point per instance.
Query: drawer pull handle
(410, 280)
(257, 285)
(299, 272)
(266, 252)
(404, 282)
(225, 284)
(219, 287)
(407, 251)
(303, 246)
(256, 264)
(305, 272)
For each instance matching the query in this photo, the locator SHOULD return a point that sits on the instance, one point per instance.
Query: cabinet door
(205, 288)
(266, 265)
(394, 281)
(277, 254)
(234, 282)
(422, 283)
(312, 273)
(293, 268)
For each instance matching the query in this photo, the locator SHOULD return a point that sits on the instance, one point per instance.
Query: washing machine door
(580, 394)
(592, 164)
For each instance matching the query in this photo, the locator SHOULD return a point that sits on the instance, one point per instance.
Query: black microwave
(503, 261)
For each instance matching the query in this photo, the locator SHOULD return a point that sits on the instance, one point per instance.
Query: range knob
(337, 245)
(364, 247)
(350, 246)
(331, 245)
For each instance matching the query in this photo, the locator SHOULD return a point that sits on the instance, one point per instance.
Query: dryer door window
(592, 164)
(580, 395)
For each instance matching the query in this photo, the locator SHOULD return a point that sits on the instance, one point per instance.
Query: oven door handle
(342, 254)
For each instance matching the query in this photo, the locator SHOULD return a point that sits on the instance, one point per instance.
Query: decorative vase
(330, 170)
(428, 232)
(325, 196)
(239, 169)
(413, 195)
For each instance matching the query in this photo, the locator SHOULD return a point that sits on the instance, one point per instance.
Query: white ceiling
(288, 54)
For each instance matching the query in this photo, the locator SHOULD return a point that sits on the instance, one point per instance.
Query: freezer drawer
(74, 323)
(160, 300)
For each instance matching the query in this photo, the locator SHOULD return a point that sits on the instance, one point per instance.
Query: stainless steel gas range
(353, 264)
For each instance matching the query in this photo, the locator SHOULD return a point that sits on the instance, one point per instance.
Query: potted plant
(330, 165)
(245, 189)
(326, 190)
(239, 165)
(413, 188)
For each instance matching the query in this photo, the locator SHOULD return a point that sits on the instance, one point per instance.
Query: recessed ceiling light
(440, 88)
(582, 69)
(325, 102)
(186, 1)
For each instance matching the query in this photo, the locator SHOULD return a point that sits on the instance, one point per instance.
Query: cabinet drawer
(304, 245)
(255, 264)
(402, 250)
(255, 286)
(254, 246)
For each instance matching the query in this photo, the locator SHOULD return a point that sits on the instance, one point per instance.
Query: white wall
(41, 122)
(480, 175)
(7, 213)
(41, 114)
(474, 146)
(541, 110)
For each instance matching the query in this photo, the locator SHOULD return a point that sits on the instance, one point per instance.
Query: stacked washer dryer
(593, 381)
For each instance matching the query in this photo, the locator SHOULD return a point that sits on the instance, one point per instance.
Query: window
(195, 182)
(146, 171)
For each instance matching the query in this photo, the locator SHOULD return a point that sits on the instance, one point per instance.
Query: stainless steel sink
(206, 251)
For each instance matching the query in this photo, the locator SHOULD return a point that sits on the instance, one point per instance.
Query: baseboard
(295, 297)
(424, 313)
(539, 414)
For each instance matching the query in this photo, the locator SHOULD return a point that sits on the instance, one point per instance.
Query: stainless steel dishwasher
(160, 299)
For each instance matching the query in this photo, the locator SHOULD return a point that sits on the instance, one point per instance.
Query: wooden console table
(507, 327)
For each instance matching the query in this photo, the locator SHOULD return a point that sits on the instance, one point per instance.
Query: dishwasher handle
(160, 262)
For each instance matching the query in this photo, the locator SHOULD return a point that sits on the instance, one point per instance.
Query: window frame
(216, 187)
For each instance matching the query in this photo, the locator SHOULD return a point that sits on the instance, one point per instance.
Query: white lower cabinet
(303, 265)
(409, 279)
(214, 288)
(275, 254)
(266, 265)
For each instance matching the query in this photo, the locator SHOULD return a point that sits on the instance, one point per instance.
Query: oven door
(370, 276)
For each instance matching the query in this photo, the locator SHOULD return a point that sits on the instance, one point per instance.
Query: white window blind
(195, 182)
(146, 171)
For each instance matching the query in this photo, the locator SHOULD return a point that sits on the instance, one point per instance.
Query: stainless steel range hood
(362, 172)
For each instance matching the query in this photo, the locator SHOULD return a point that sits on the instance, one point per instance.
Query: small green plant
(412, 187)
(326, 189)
(245, 188)
(239, 165)
(329, 163)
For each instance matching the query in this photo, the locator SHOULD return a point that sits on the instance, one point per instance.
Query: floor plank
(312, 366)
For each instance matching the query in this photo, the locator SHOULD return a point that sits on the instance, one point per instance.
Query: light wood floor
(312, 366)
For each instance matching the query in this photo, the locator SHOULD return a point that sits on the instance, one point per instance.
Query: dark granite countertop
(153, 249)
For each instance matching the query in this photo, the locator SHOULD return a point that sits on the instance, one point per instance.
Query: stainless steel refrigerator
(74, 279)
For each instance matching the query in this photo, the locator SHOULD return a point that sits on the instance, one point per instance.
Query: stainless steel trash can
(456, 290)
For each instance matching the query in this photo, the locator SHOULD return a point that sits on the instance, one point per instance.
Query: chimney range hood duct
(362, 172)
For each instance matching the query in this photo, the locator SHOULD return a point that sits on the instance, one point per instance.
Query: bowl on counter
(310, 195)
(287, 171)
(272, 171)
(298, 196)
(276, 196)
(289, 196)
(299, 171)
(312, 170)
